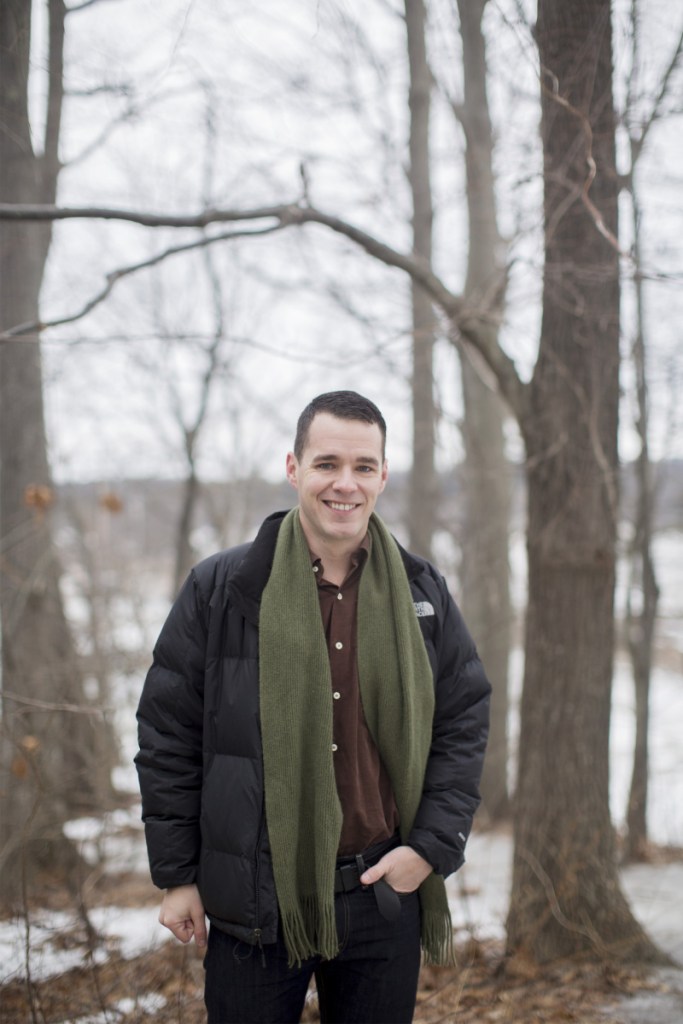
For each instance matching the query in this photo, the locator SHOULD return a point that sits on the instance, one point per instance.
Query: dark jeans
(372, 980)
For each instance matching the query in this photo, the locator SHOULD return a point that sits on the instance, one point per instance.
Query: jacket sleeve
(451, 789)
(169, 761)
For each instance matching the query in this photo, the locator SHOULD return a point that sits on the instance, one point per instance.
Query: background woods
(464, 210)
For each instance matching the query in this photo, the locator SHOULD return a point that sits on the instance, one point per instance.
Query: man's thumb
(200, 930)
(372, 874)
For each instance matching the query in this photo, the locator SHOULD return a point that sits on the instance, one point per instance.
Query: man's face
(341, 474)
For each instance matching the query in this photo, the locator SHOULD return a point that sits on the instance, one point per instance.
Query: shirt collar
(358, 558)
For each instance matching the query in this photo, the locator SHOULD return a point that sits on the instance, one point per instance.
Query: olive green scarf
(303, 812)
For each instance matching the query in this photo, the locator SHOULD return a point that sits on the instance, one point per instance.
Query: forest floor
(96, 955)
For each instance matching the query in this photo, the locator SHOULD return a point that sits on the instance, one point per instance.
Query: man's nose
(345, 480)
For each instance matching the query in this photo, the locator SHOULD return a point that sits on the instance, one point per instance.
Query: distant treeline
(138, 517)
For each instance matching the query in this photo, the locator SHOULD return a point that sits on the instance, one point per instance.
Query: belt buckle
(349, 876)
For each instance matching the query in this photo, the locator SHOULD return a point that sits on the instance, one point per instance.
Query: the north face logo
(423, 608)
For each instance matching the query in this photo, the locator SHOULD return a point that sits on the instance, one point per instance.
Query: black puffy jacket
(200, 762)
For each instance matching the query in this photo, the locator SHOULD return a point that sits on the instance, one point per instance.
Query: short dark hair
(345, 405)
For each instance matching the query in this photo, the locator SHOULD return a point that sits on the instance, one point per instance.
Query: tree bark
(49, 731)
(422, 494)
(487, 478)
(566, 897)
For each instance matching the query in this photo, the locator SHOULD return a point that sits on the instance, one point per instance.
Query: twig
(42, 705)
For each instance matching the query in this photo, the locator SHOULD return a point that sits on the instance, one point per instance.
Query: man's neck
(335, 566)
(337, 560)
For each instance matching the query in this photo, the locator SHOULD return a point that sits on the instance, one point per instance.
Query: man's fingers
(374, 873)
(183, 930)
(182, 912)
(199, 928)
(402, 868)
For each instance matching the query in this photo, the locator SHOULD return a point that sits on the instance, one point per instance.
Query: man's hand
(403, 869)
(182, 912)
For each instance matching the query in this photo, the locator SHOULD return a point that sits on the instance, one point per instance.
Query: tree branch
(49, 163)
(471, 323)
(114, 276)
(638, 142)
(38, 212)
(86, 3)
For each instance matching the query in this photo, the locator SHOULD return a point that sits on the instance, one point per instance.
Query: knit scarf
(303, 812)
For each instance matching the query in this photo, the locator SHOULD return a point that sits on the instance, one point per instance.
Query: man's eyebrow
(370, 460)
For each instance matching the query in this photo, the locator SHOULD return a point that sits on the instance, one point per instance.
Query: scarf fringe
(437, 939)
(310, 929)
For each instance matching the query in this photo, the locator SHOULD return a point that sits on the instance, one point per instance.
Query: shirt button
(339, 597)
(336, 694)
(315, 568)
(339, 645)
(334, 747)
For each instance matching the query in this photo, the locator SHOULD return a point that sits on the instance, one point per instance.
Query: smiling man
(339, 470)
(312, 732)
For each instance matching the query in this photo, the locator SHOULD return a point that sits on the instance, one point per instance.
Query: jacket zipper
(257, 931)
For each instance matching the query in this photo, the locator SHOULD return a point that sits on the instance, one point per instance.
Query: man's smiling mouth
(339, 506)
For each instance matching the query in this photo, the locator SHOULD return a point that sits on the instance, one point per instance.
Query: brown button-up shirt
(365, 793)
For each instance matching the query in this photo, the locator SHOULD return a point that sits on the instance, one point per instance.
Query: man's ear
(385, 475)
(291, 468)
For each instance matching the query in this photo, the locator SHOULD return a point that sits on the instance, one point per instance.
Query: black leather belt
(347, 878)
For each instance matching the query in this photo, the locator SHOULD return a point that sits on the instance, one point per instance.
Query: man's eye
(325, 465)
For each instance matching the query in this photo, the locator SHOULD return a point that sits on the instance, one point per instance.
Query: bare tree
(422, 496)
(487, 474)
(50, 732)
(643, 589)
(565, 894)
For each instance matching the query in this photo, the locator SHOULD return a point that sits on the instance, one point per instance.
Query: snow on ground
(130, 932)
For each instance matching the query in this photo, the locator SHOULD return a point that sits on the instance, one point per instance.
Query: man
(311, 740)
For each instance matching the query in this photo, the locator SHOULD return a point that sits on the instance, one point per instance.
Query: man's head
(345, 405)
(338, 469)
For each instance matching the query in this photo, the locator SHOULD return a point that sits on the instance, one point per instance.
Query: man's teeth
(338, 507)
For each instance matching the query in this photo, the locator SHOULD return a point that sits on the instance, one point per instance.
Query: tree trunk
(49, 732)
(185, 556)
(566, 897)
(487, 479)
(422, 495)
(640, 623)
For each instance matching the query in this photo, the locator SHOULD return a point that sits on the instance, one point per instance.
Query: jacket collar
(247, 583)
